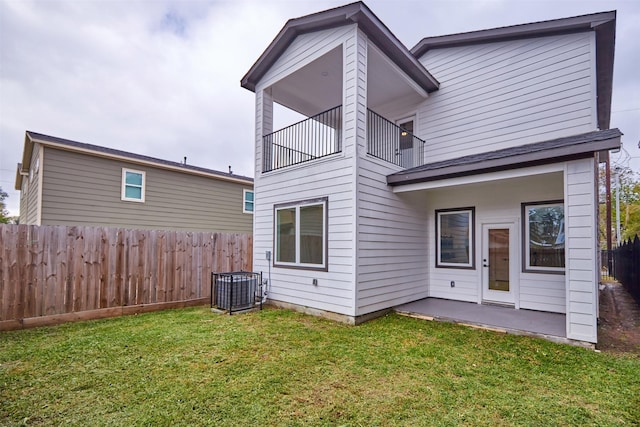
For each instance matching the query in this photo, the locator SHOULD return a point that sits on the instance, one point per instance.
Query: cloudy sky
(161, 78)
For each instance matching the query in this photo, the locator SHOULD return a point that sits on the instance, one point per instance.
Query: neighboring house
(64, 182)
(462, 169)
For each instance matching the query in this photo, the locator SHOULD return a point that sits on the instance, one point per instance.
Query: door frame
(488, 296)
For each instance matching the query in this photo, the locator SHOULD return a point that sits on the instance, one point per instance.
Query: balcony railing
(321, 135)
(310, 139)
(390, 142)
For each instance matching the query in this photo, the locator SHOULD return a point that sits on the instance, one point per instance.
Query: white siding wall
(331, 177)
(498, 201)
(303, 50)
(392, 241)
(498, 95)
(544, 292)
(581, 241)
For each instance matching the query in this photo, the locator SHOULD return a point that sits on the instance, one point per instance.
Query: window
(455, 238)
(247, 201)
(543, 237)
(300, 230)
(133, 183)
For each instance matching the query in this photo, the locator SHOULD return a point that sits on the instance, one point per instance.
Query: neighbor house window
(543, 236)
(247, 201)
(133, 183)
(300, 239)
(454, 238)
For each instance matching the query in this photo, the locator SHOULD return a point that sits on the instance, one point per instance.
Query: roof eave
(357, 13)
(23, 167)
(605, 53)
(19, 175)
(553, 155)
(68, 145)
(535, 29)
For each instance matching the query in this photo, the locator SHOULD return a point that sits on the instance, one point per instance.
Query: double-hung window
(543, 237)
(133, 185)
(300, 234)
(247, 201)
(455, 238)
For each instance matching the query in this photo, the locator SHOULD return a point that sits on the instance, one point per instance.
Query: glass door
(496, 263)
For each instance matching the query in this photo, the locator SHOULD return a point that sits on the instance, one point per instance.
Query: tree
(4, 214)
(629, 203)
(630, 213)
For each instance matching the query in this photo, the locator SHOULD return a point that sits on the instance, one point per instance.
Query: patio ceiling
(317, 87)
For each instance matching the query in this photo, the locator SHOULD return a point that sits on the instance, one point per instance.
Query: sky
(162, 78)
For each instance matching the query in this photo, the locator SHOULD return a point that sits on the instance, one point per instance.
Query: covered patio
(550, 326)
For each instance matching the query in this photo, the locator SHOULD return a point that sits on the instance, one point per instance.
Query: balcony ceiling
(317, 86)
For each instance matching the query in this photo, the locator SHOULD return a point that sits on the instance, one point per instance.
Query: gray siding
(80, 189)
(29, 197)
(24, 201)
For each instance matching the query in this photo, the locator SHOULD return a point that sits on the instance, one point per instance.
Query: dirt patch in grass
(619, 326)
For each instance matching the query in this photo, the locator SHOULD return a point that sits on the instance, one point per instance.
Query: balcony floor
(551, 326)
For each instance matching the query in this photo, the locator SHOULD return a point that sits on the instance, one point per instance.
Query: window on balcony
(394, 143)
(407, 142)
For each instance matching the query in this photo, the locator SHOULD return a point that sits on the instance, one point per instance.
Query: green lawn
(277, 367)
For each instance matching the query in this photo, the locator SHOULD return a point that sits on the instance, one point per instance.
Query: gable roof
(539, 153)
(603, 24)
(95, 150)
(354, 13)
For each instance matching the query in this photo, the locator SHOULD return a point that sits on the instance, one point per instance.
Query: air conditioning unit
(235, 291)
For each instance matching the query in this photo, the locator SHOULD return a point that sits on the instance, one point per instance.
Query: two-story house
(463, 169)
(64, 182)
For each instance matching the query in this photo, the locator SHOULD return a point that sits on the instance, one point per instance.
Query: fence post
(49, 272)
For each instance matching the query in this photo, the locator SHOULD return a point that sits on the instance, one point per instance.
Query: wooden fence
(626, 266)
(54, 274)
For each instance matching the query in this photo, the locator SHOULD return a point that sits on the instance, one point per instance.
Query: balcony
(316, 137)
(390, 142)
(321, 135)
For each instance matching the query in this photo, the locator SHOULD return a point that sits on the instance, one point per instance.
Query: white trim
(470, 242)
(507, 297)
(594, 86)
(409, 118)
(296, 206)
(124, 186)
(540, 269)
(303, 165)
(244, 201)
(482, 177)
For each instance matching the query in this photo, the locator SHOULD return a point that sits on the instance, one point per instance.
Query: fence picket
(626, 266)
(57, 270)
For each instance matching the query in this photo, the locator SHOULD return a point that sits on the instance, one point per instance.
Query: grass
(277, 367)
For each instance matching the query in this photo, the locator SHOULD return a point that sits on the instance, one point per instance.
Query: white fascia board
(485, 177)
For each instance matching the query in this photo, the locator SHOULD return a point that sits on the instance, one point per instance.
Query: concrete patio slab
(550, 326)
